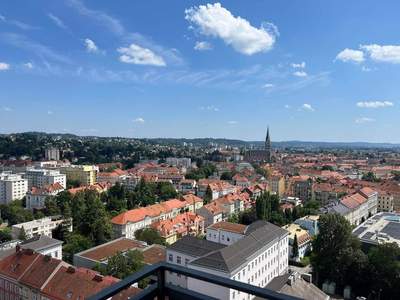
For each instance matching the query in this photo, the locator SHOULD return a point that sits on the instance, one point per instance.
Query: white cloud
(6, 108)
(201, 46)
(287, 106)
(232, 122)
(134, 54)
(2, 18)
(49, 112)
(268, 85)
(139, 120)
(4, 66)
(350, 55)
(363, 120)
(366, 69)
(301, 65)
(209, 108)
(300, 74)
(374, 104)
(57, 21)
(216, 21)
(90, 45)
(28, 65)
(308, 107)
(387, 53)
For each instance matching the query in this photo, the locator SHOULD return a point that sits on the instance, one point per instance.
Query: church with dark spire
(264, 155)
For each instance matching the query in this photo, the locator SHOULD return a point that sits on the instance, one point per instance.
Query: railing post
(161, 283)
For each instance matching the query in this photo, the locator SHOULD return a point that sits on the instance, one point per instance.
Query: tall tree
(295, 247)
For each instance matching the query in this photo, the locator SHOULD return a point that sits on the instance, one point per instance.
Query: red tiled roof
(16, 264)
(228, 226)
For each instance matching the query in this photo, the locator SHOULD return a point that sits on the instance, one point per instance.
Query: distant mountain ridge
(224, 141)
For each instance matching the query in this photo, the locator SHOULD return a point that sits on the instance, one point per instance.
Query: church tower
(268, 154)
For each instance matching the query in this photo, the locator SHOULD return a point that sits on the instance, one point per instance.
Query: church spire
(268, 154)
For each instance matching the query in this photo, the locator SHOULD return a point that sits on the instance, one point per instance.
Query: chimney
(71, 270)
(17, 248)
(98, 278)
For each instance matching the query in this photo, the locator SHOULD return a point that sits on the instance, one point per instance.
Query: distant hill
(222, 141)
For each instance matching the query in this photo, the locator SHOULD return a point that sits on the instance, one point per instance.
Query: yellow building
(276, 184)
(84, 174)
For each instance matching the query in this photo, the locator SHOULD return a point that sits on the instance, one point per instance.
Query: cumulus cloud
(308, 107)
(91, 46)
(139, 120)
(350, 55)
(216, 21)
(56, 20)
(388, 53)
(202, 46)
(363, 120)
(301, 65)
(300, 74)
(134, 54)
(4, 66)
(374, 104)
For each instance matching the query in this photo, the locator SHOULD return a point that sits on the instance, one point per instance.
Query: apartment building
(258, 257)
(385, 202)
(219, 188)
(52, 154)
(12, 187)
(126, 223)
(303, 240)
(38, 227)
(276, 184)
(84, 174)
(41, 178)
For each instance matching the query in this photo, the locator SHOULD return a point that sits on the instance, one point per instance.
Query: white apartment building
(38, 227)
(185, 162)
(41, 178)
(258, 257)
(52, 154)
(12, 187)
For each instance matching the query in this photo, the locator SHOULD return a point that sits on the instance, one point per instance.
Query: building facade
(41, 178)
(12, 187)
(84, 174)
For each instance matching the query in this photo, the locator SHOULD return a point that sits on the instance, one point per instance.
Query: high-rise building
(52, 154)
(41, 178)
(12, 187)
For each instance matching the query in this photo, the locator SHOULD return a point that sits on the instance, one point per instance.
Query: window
(170, 257)
(186, 261)
(228, 239)
(178, 260)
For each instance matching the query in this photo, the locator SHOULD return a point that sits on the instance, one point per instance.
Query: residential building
(12, 187)
(297, 285)
(372, 199)
(225, 233)
(84, 174)
(187, 186)
(112, 177)
(100, 254)
(259, 256)
(130, 182)
(43, 177)
(28, 275)
(302, 187)
(211, 212)
(187, 223)
(383, 227)
(309, 223)
(276, 184)
(52, 154)
(385, 202)
(185, 162)
(303, 241)
(219, 188)
(43, 226)
(41, 244)
(241, 181)
(36, 197)
(126, 223)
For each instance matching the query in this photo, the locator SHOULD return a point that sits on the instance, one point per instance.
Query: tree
(150, 236)
(22, 234)
(75, 243)
(166, 190)
(51, 207)
(370, 176)
(295, 247)
(226, 176)
(208, 195)
(334, 240)
(5, 235)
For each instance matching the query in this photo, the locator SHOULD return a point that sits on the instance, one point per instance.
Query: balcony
(161, 290)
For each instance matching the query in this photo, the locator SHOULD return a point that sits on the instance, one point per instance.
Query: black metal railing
(161, 289)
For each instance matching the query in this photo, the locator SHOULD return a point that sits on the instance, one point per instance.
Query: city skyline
(312, 72)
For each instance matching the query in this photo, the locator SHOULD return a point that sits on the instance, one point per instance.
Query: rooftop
(194, 247)
(228, 226)
(382, 228)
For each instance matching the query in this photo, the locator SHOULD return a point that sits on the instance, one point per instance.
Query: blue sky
(312, 70)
